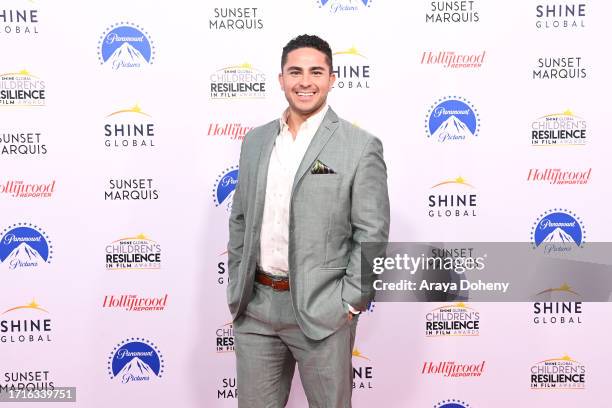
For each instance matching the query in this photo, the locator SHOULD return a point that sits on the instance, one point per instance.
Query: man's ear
(332, 80)
(280, 81)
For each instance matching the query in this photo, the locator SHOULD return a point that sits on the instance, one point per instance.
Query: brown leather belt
(280, 284)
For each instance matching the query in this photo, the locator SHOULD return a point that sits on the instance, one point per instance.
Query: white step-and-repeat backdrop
(120, 129)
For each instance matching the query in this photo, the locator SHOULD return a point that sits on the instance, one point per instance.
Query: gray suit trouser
(268, 344)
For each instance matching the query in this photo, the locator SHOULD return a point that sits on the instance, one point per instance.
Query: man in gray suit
(311, 188)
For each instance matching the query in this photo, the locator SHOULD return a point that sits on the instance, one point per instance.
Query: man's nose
(305, 80)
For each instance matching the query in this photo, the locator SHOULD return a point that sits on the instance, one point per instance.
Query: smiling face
(306, 79)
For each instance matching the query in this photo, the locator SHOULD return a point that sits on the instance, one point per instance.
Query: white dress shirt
(286, 157)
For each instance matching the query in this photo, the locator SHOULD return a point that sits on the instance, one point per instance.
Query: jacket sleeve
(369, 222)
(237, 222)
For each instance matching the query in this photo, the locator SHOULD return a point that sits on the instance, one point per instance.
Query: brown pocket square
(320, 168)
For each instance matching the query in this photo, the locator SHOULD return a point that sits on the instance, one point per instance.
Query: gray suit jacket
(330, 216)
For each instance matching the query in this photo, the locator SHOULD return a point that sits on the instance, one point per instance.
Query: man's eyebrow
(296, 68)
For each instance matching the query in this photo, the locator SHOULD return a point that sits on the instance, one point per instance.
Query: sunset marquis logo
(125, 46)
(18, 22)
(452, 59)
(558, 176)
(135, 360)
(458, 200)
(352, 69)
(135, 303)
(565, 310)
(225, 185)
(227, 388)
(558, 230)
(236, 18)
(452, 403)
(18, 143)
(24, 324)
(238, 82)
(28, 380)
(22, 89)
(558, 374)
(233, 131)
(137, 252)
(343, 6)
(452, 369)
(452, 12)
(21, 189)
(24, 246)
(559, 68)
(560, 16)
(559, 129)
(452, 320)
(131, 189)
(452, 119)
(225, 338)
(363, 371)
(129, 128)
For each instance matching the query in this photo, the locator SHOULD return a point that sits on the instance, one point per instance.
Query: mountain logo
(225, 185)
(452, 403)
(124, 46)
(558, 230)
(25, 246)
(135, 360)
(452, 119)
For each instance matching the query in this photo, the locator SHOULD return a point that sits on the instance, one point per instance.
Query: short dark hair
(308, 41)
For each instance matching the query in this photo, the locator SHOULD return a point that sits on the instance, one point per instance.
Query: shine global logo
(135, 360)
(19, 21)
(560, 16)
(352, 69)
(452, 403)
(225, 185)
(343, 6)
(457, 200)
(562, 373)
(27, 325)
(558, 230)
(363, 371)
(129, 128)
(452, 119)
(558, 306)
(125, 46)
(24, 246)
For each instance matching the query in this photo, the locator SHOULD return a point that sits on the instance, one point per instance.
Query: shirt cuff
(352, 309)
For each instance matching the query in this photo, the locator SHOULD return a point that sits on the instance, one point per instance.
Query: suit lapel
(262, 173)
(318, 142)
